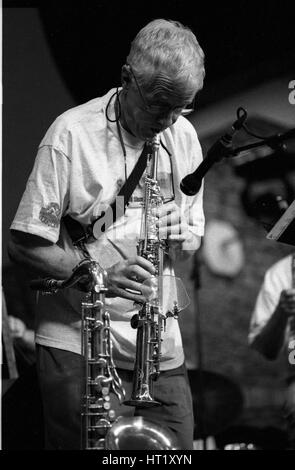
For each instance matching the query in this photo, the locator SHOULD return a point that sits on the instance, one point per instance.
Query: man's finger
(167, 208)
(143, 263)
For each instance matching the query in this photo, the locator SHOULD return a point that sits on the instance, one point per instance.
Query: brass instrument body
(100, 429)
(100, 373)
(138, 433)
(150, 320)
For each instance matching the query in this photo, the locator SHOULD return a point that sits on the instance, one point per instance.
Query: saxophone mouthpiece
(155, 142)
(155, 139)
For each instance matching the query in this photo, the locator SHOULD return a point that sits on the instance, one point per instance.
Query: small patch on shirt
(49, 215)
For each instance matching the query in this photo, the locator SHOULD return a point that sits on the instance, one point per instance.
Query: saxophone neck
(155, 142)
(96, 274)
(152, 164)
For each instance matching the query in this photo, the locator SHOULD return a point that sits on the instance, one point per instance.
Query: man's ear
(125, 76)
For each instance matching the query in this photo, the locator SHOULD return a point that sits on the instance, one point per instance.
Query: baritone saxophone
(100, 374)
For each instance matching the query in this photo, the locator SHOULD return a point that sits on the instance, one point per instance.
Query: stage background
(55, 57)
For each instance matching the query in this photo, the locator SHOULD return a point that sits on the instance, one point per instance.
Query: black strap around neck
(80, 235)
(129, 186)
(119, 205)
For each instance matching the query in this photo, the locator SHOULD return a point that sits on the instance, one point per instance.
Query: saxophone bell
(139, 434)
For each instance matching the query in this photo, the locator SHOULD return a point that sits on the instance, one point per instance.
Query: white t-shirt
(78, 171)
(277, 278)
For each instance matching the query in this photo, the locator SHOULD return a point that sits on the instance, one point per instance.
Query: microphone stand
(200, 407)
(272, 141)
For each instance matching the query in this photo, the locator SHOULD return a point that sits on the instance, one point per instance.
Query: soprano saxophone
(150, 321)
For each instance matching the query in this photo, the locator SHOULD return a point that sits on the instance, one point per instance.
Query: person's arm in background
(270, 340)
(21, 333)
(275, 304)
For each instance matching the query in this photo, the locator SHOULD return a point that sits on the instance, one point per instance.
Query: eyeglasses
(154, 109)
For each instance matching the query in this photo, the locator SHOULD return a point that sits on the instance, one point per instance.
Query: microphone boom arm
(271, 141)
(223, 148)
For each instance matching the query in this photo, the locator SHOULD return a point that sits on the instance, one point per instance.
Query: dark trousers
(60, 374)
(289, 410)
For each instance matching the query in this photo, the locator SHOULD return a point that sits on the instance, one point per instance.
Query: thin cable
(117, 108)
(107, 107)
(246, 128)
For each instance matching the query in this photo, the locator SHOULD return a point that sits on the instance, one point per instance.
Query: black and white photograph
(148, 228)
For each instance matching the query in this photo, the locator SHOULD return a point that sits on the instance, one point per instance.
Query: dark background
(246, 41)
(57, 55)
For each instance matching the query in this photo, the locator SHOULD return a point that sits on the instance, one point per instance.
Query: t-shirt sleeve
(196, 212)
(194, 204)
(46, 196)
(266, 302)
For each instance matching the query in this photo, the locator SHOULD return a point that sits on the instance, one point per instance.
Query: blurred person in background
(272, 328)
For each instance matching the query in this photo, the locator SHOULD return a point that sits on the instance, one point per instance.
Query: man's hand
(287, 302)
(16, 326)
(128, 275)
(19, 331)
(173, 225)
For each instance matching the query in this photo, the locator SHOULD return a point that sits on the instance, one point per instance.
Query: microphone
(191, 183)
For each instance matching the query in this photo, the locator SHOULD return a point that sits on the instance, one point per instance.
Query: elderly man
(84, 159)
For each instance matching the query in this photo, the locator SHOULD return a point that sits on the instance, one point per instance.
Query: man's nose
(167, 120)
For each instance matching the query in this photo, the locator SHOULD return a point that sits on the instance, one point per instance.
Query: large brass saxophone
(150, 321)
(101, 377)
(100, 429)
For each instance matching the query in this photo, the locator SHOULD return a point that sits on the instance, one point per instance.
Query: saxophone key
(135, 321)
(105, 392)
(112, 414)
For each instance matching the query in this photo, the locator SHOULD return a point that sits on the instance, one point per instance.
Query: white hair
(167, 48)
